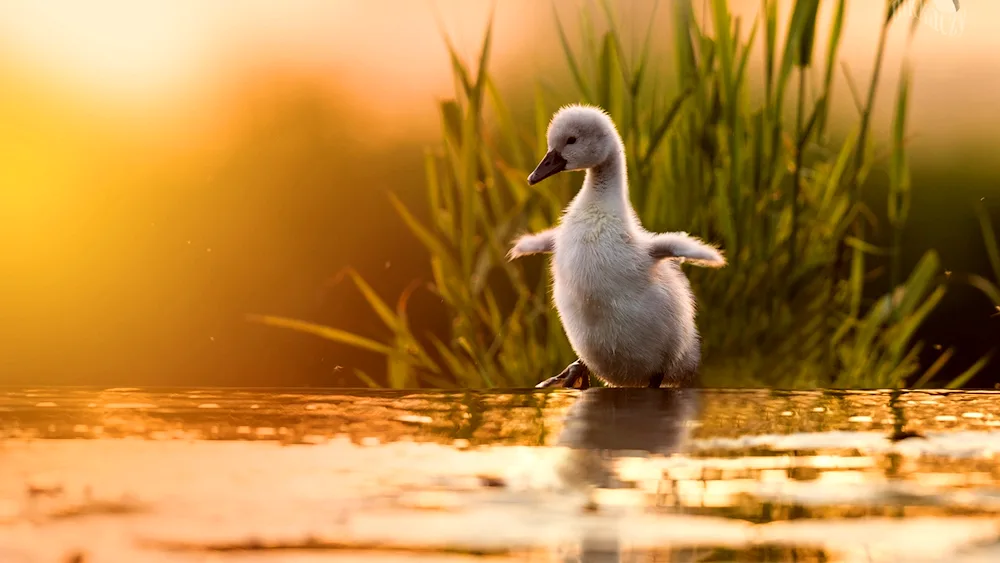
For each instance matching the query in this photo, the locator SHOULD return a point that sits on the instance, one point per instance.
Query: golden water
(600, 476)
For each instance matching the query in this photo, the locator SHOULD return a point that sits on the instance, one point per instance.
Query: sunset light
(524, 280)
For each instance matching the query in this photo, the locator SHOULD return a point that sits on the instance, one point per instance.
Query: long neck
(606, 185)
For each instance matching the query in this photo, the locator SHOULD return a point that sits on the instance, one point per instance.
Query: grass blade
(366, 379)
(574, 68)
(989, 239)
(435, 246)
(936, 367)
(968, 374)
(330, 333)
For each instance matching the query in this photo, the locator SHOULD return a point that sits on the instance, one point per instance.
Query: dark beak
(553, 163)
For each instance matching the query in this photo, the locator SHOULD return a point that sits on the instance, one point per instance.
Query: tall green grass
(762, 175)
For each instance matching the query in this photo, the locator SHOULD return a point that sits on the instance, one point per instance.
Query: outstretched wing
(535, 243)
(680, 245)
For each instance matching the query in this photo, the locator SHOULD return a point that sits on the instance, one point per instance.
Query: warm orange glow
(115, 48)
(156, 157)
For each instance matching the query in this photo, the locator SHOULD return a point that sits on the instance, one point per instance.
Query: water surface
(605, 475)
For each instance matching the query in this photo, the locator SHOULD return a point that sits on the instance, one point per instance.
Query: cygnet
(625, 305)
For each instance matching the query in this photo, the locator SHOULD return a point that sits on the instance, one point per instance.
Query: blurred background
(167, 167)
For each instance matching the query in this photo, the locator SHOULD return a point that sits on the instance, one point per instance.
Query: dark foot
(656, 380)
(574, 373)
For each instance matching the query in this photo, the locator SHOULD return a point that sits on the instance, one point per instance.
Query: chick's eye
(571, 140)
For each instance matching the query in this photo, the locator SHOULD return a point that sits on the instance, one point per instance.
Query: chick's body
(626, 315)
(625, 305)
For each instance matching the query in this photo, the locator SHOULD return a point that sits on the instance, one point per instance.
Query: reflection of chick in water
(605, 423)
(635, 419)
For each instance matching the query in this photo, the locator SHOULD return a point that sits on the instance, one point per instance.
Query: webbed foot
(574, 373)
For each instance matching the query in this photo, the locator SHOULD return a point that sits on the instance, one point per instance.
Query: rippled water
(605, 475)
